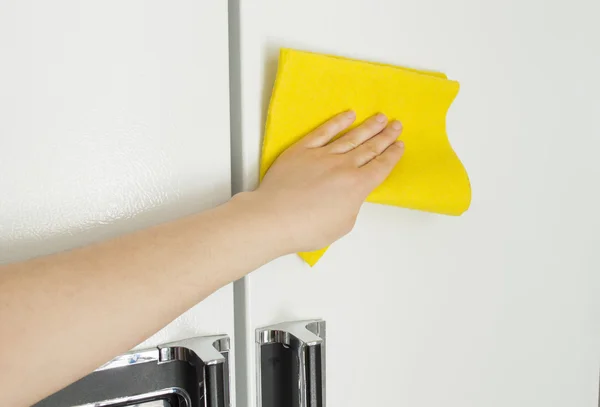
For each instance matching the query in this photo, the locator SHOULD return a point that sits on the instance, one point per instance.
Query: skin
(308, 199)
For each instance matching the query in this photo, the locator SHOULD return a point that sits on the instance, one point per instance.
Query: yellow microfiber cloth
(311, 88)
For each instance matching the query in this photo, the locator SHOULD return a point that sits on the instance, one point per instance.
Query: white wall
(499, 307)
(114, 116)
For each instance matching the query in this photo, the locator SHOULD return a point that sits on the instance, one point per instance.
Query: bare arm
(90, 300)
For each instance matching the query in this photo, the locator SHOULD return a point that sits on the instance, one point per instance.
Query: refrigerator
(497, 307)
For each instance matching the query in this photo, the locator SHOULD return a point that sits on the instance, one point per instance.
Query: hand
(309, 198)
(315, 189)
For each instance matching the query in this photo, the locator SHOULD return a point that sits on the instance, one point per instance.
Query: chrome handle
(210, 356)
(191, 373)
(291, 364)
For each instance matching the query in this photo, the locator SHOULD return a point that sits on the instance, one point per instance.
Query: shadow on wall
(30, 244)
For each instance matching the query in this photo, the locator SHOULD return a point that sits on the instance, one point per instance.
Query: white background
(499, 307)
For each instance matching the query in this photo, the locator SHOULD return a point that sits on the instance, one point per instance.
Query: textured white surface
(115, 116)
(499, 307)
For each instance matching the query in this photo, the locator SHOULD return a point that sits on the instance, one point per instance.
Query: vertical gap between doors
(237, 181)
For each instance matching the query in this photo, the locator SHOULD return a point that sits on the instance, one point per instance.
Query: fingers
(376, 145)
(328, 130)
(378, 169)
(359, 135)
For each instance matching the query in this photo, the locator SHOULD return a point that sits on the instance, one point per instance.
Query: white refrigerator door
(496, 308)
(115, 116)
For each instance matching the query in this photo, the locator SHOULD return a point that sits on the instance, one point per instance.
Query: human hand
(314, 190)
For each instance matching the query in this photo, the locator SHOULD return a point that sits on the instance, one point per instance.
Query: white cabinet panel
(115, 116)
(499, 307)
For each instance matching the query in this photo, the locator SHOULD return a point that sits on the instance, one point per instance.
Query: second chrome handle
(291, 364)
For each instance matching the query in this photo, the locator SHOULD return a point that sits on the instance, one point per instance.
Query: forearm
(66, 314)
(92, 301)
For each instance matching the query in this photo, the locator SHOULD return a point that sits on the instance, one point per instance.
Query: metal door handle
(291, 364)
(188, 373)
(210, 356)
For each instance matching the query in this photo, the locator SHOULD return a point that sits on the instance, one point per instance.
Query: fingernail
(381, 118)
(396, 125)
(350, 114)
(400, 143)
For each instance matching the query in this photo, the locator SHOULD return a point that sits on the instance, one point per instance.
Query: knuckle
(370, 152)
(370, 126)
(351, 144)
(373, 125)
(332, 127)
(380, 160)
(329, 128)
(336, 124)
(335, 129)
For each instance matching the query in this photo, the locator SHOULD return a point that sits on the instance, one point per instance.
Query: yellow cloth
(310, 88)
